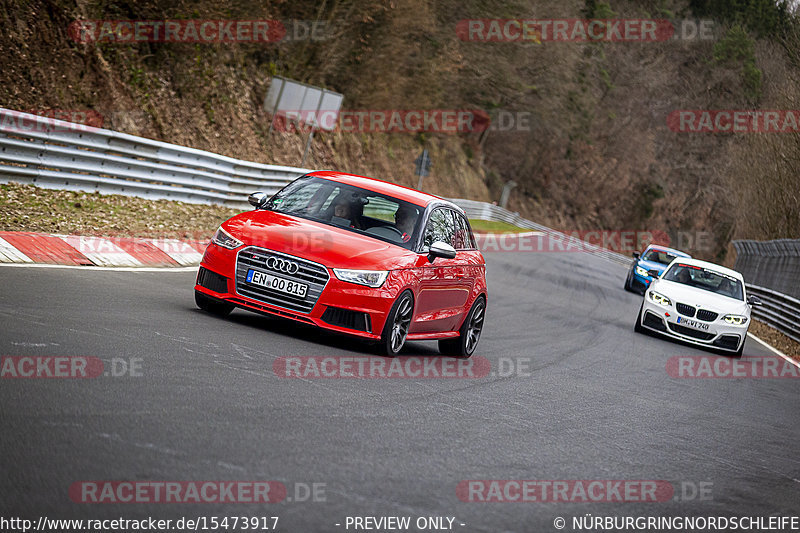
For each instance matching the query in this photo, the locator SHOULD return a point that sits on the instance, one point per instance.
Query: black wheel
(211, 305)
(470, 333)
(396, 328)
(629, 281)
(638, 326)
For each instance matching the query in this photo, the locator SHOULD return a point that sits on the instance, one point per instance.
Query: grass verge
(775, 338)
(30, 208)
(491, 226)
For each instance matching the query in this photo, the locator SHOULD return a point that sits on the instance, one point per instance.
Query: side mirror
(754, 300)
(441, 249)
(258, 199)
(636, 255)
(653, 273)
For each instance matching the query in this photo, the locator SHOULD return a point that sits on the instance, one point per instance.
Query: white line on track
(773, 349)
(113, 269)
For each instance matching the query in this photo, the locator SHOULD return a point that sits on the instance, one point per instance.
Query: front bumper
(342, 307)
(640, 283)
(720, 335)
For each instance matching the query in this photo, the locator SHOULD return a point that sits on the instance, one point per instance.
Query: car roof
(711, 266)
(672, 251)
(400, 192)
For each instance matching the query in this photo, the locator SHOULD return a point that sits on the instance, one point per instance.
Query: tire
(638, 326)
(629, 281)
(210, 305)
(395, 330)
(470, 333)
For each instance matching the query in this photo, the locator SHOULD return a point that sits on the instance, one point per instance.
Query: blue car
(653, 258)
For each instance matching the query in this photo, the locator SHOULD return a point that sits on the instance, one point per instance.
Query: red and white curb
(28, 247)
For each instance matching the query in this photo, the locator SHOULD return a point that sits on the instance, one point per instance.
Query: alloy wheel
(402, 320)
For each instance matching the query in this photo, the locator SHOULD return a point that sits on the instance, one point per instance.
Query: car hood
(328, 245)
(678, 292)
(652, 265)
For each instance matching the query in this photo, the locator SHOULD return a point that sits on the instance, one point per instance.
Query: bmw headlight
(641, 271)
(660, 299)
(735, 320)
(223, 238)
(370, 278)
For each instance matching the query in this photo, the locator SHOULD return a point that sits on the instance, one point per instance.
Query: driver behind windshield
(405, 218)
(683, 276)
(345, 212)
(659, 257)
(727, 288)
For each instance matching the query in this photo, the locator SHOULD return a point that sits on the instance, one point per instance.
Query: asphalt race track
(574, 394)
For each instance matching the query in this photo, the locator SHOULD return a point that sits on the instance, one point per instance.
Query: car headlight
(735, 320)
(370, 278)
(641, 271)
(660, 299)
(223, 238)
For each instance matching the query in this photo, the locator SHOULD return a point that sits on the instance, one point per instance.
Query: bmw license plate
(692, 323)
(277, 284)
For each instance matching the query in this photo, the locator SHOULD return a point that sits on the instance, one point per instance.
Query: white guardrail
(55, 154)
(773, 268)
(779, 310)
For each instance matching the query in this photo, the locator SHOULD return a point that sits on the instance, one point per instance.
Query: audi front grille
(284, 266)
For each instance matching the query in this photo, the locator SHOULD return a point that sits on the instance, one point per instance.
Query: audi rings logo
(282, 265)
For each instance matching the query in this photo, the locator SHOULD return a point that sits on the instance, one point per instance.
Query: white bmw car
(700, 303)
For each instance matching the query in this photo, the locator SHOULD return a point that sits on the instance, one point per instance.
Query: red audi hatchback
(355, 255)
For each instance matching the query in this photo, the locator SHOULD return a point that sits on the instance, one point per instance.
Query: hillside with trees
(596, 150)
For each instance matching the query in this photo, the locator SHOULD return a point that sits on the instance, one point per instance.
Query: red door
(445, 284)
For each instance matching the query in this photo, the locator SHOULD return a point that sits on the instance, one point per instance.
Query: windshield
(705, 279)
(352, 208)
(657, 256)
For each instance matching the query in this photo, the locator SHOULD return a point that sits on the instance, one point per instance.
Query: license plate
(692, 323)
(275, 283)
